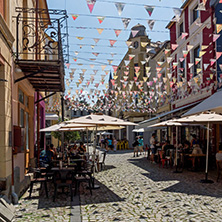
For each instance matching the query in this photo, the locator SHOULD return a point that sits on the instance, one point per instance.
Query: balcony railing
(42, 35)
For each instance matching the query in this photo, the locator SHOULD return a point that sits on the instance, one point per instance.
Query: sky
(80, 58)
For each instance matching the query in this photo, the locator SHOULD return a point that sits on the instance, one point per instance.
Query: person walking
(114, 144)
(136, 147)
(153, 146)
(141, 144)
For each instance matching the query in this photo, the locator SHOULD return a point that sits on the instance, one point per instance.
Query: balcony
(42, 47)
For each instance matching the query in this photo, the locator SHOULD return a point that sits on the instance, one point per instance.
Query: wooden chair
(38, 179)
(102, 162)
(163, 159)
(219, 168)
(62, 180)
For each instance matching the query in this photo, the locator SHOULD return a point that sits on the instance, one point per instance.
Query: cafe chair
(62, 180)
(102, 162)
(219, 169)
(163, 159)
(37, 178)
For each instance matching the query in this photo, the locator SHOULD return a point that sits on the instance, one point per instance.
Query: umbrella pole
(87, 138)
(176, 162)
(207, 156)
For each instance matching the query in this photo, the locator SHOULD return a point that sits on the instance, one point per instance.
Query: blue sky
(135, 10)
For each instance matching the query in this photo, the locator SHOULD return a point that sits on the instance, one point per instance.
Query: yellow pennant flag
(203, 47)
(219, 27)
(145, 79)
(144, 44)
(115, 77)
(137, 74)
(80, 38)
(100, 31)
(199, 70)
(201, 53)
(211, 76)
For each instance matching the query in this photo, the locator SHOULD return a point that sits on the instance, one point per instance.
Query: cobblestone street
(132, 189)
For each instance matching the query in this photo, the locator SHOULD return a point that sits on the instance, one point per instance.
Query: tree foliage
(69, 136)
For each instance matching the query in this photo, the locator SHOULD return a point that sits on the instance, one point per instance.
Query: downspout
(13, 194)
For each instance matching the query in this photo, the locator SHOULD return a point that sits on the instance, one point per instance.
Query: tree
(69, 136)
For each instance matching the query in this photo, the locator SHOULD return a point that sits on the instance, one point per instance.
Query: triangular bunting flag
(112, 42)
(149, 9)
(215, 37)
(218, 55)
(206, 66)
(126, 22)
(134, 32)
(96, 40)
(151, 24)
(189, 47)
(100, 18)
(174, 46)
(201, 53)
(120, 7)
(100, 31)
(80, 38)
(218, 27)
(95, 53)
(91, 4)
(128, 43)
(75, 17)
(117, 32)
(144, 44)
(184, 34)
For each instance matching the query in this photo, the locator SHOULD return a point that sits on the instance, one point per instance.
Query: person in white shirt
(219, 153)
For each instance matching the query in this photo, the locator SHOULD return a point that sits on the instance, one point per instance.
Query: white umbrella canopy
(105, 133)
(101, 119)
(204, 118)
(141, 130)
(52, 128)
(172, 122)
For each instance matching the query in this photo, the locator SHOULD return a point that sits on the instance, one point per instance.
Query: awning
(51, 117)
(212, 103)
(156, 119)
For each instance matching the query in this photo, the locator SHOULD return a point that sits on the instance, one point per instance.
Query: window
(180, 29)
(27, 130)
(21, 96)
(22, 118)
(26, 101)
(196, 14)
(196, 52)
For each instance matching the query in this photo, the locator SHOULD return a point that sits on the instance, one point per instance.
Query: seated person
(46, 155)
(186, 147)
(194, 140)
(81, 149)
(219, 153)
(197, 149)
(166, 147)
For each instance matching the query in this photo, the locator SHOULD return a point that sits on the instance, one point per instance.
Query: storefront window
(22, 118)
(21, 96)
(26, 101)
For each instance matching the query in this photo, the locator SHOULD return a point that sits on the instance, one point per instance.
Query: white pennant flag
(120, 6)
(151, 24)
(126, 22)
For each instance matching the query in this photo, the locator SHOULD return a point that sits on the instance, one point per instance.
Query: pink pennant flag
(134, 32)
(215, 37)
(67, 65)
(115, 68)
(212, 61)
(112, 42)
(137, 69)
(184, 34)
(96, 40)
(91, 4)
(174, 46)
(218, 55)
(117, 32)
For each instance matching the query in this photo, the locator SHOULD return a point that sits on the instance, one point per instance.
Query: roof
(165, 114)
(142, 31)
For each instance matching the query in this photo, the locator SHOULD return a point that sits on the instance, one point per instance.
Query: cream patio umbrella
(52, 128)
(99, 120)
(205, 119)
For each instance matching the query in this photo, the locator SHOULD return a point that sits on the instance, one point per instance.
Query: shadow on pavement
(187, 182)
(101, 195)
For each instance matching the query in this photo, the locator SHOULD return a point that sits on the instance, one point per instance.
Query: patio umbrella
(205, 119)
(104, 133)
(52, 128)
(141, 130)
(100, 120)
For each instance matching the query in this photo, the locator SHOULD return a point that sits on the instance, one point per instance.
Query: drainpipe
(13, 194)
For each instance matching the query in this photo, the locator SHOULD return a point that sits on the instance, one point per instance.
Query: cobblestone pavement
(133, 189)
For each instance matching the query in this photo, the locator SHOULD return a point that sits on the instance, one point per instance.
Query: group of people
(109, 143)
(138, 146)
(51, 153)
